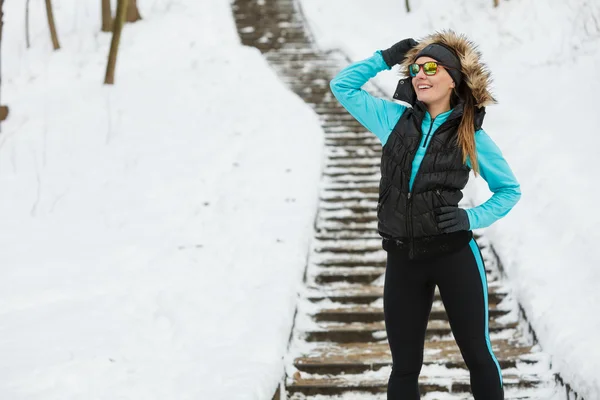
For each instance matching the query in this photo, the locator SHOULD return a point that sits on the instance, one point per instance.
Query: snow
(153, 233)
(540, 57)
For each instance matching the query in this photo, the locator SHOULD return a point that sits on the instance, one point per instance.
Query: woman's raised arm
(376, 114)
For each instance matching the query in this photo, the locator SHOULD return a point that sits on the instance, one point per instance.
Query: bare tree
(27, 24)
(51, 25)
(114, 45)
(3, 109)
(407, 6)
(106, 16)
(133, 13)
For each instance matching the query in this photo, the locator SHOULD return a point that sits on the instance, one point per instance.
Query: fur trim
(475, 73)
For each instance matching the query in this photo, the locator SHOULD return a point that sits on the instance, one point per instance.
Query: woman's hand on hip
(451, 219)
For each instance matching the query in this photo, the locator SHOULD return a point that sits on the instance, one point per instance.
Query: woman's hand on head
(395, 54)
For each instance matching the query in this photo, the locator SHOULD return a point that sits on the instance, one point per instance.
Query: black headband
(446, 56)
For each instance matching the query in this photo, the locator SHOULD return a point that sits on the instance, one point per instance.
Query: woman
(428, 152)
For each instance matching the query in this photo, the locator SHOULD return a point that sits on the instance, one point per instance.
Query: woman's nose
(420, 74)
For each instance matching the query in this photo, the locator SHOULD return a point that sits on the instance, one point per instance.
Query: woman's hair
(466, 128)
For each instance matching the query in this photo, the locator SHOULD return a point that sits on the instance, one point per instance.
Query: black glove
(451, 219)
(395, 54)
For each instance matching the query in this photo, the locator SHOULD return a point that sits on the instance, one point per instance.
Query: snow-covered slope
(543, 56)
(152, 234)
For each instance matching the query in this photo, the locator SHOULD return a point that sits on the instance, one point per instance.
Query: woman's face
(433, 89)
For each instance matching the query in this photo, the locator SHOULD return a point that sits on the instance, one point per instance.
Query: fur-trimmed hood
(475, 73)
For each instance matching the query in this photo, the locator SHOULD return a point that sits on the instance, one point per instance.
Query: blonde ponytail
(466, 129)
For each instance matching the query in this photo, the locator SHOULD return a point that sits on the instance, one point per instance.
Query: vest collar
(440, 118)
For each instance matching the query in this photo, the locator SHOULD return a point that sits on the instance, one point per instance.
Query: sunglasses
(429, 68)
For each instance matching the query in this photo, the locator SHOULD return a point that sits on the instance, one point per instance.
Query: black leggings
(407, 299)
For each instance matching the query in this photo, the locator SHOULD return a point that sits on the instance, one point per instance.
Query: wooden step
(348, 246)
(353, 205)
(365, 294)
(325, 235)
(353, 179)
(374, 331)
(335, 171)
(349, 274)
(354, 358)
(366, 163)
(345, 383)
(366, 275)
(538, 393)
(375, 259)
(368, 313)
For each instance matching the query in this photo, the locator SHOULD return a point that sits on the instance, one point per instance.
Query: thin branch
(109, 79)
(28, 43)
(3, 109)
(52, 25)
(106, 16)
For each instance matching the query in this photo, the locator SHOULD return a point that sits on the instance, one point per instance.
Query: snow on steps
(338, 348)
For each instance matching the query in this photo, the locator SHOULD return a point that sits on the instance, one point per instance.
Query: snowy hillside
(542, 57)
(153, 233)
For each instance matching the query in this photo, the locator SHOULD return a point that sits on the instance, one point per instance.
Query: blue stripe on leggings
(477, 254)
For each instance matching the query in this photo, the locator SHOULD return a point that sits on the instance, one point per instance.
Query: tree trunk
(407, 6)
(1, 19)
(3, 114)
(28, 44)
(133, 13)
(3, 109)
(114, 45)
(496, 3)
(51, 24)
(106, 16)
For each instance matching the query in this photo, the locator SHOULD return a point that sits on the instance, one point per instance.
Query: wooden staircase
(338, 348)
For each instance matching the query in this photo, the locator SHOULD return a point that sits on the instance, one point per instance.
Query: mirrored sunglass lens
(430, 68)
(414, 69)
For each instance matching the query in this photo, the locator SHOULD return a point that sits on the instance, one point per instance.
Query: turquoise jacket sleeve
(500, 179)
(376, 114)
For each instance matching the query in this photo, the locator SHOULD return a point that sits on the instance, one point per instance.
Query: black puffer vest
(406, 219)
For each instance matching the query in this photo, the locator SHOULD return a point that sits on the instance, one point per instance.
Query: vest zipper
(427, 137)
(411, 249)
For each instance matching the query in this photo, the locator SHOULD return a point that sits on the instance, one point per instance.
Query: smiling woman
(433, 84)
(428, 238)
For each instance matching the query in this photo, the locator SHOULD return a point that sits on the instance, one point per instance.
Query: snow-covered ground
(153, 234)
(543, 57)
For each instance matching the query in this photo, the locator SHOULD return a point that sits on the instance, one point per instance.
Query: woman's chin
(426, 98)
